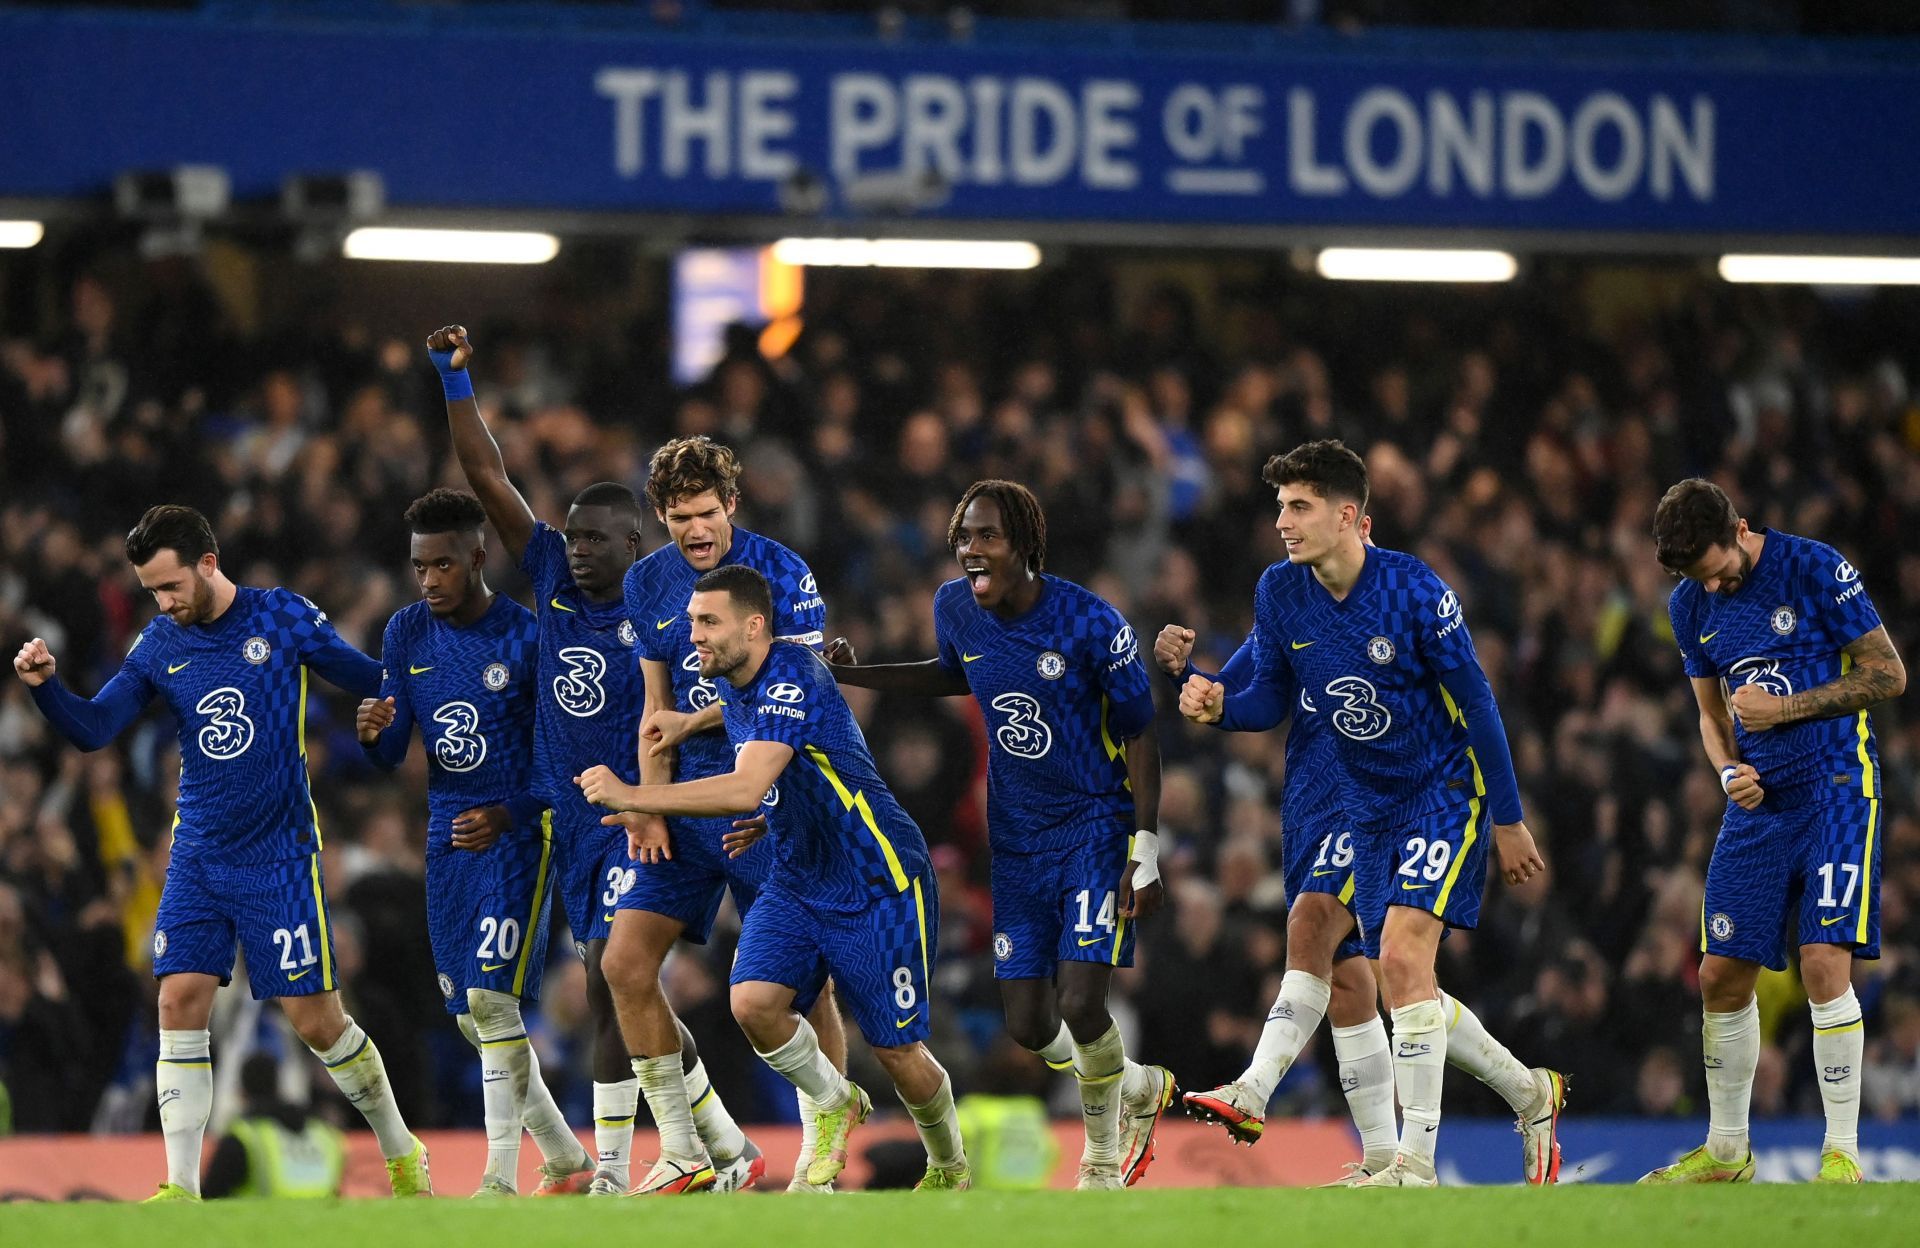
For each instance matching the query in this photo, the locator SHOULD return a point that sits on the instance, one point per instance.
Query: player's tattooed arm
(928, 679)
(478, 453)
(1875, 676)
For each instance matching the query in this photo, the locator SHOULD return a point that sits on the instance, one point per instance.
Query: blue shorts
(1317, 857)
(880, 958)
(487, 915)
(276, 911)
(1435, 862)
(689, 885)
(1059, 906)
(1808, 873)
(589, 871)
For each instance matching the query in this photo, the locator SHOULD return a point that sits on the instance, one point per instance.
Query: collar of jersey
(1031, 613)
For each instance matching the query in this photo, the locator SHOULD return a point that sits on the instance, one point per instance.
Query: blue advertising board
(625, 121)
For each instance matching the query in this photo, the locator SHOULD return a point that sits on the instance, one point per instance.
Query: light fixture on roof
(1415, 264)
(906, 253)
(1822, 270)
(451, 246)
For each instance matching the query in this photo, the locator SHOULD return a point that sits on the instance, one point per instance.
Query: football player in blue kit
(231, 664)
(1378, 643)
(683, 870)
(1786, 654)
(849, 884)
(588, 711)
(460, 665)
(1073, 796)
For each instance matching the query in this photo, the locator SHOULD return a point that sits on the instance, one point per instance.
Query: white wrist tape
(1726, 777)
(1146, 859)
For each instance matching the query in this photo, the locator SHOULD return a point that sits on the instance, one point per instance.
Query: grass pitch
(1569, 1217)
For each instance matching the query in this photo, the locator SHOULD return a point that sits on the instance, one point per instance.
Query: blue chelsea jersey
(658, 588)
(1047, 682)
(1372, 666)
(471, 693)
(843, 840)
(589, 696)
(1784, 630)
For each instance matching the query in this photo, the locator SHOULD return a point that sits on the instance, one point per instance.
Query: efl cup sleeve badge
(1052, 665)
(1002, 946)
(626, 633)
(495, 677)
(1783, 620)
(1380, 650)
(256, 651)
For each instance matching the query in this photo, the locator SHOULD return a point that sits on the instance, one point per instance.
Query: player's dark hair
(1692, 516)
(170, 526)
(1328, 466)
(609, 494)
(1020, 513)
(446, 511)
(746, 587)
(688, 467)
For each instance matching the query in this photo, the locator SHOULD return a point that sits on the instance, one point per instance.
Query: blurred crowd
(1518, 439)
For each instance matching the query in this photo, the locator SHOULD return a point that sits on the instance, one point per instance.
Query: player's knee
(1725, 985)
(630, 967)
(1030, 1028)
(756, 1010)
(496, 1015)
(1315, 927)
(1407, 974)
(1083, 1007)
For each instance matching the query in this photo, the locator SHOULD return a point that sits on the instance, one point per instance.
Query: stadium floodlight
(1822, 270)
(1415, 264)
(451, 246)
(906, 253)
(21, 234)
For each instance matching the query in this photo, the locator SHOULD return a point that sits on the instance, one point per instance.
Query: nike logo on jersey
(1097, 940)
(907, 1021)
(968, 658)
(1301, 645)
(298, 974)
(174, 667)
(1318, 874)
(557, 605)
(1830, 922)
(1413, 888)
(1707, 637)
(606, 918)
(491, 966)
(662, 624)
(415, 671)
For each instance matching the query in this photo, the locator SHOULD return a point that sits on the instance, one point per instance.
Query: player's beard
(1746, 570)
(725, 663)
(200, 609)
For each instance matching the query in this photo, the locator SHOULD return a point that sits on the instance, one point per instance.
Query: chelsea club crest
(1784, 620)
(1380, 650)
(256, 651)
(1052, 665)
(625, 633)
(495, 677)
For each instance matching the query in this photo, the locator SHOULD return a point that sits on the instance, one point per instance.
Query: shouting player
(587, 712)
(1377, 643)
(1073, 795)
(460, 664)
(1785, 624)
(693, 487)
(231, 663)
(850, 885)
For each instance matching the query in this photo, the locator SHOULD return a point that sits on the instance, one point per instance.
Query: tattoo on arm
(1876, 675)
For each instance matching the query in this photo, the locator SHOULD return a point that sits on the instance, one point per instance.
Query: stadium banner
(1188, 1154)
(1789, 143)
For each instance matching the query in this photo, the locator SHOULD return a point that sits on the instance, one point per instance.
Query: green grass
(1618, 1217)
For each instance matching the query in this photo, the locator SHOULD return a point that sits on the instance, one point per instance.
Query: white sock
(1366, 1076)
(809, 1130)
(1099, 1067)
(1298, 1009)
(803, 1065)
(183, 1080)
(1839, 1047)
(614, 1105)
(1731, 1045)
(939, 1127)
(1058, 1052)
(506, 1069)
(1419, 1067)
(1472, 1048)
(545, 1123)
(361, 1076)
(718, 1131)
(664, 1085)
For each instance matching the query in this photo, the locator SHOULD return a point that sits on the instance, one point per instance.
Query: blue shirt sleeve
(1488, 735)
(1266, 697)
(1846, 612)
(800, 613)
(943, 637)
(544, 561)
(1693, 656)
(1441, 626)
(390, 747)
(324, 650)
(767, 719)
(1122, 677)
(90, 723)
(648, 642)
